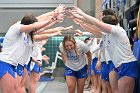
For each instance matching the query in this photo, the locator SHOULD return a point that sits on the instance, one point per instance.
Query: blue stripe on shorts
(6, 67)
(37, 68)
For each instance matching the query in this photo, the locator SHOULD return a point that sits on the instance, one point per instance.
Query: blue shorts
(28, 66)
(82, 73)
(94, 62)
(6, 67)
(112, 67)
(105, 71)
(130, 69)
(37, 68)
(90, 71)
(20, 70)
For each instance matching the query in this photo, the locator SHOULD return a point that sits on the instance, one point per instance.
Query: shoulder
(16, 26)
(116, 29)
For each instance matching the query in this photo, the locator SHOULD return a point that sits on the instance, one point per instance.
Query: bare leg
(18, 84)
(80, 85)
(113, 77)
(71, 83)
(104, 86)
(94, 81)
(7, 83)
(98, 83)
(33, 81)
(126, 84)
(24, 81)
(89, 81)
(108, 87)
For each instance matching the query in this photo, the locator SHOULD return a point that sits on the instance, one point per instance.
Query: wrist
(55, 13)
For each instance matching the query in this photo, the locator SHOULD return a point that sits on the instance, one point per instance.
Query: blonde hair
(69, 38)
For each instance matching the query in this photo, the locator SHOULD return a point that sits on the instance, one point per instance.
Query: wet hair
(108, 12)
(69, 38)
(110, 19)
(29, 19)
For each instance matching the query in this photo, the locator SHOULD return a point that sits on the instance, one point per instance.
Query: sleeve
(85, 48)
(35, 51)
(14, 31)
(89, 34)
(95, 49)
(39, 56)
(116, 30)
(16, 27)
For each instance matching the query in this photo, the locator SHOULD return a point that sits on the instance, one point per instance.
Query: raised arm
(92, 20)
(90, 28)
(33, 27)
(54, 13)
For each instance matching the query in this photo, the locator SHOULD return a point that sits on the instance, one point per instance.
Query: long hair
(29, 19)
(69, 38)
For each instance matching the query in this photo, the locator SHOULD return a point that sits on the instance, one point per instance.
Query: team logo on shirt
(72, 56)
(101, 44)
(26, 39)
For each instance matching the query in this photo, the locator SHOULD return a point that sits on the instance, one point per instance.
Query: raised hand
(98, 65)
(60, 17)
(77, 10)
(60, 9)
(60, 12)
(68, 28)
(46, 59)
(63, 28)
(70, 14)
(78, 32)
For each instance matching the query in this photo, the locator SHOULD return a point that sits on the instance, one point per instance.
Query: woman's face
(69, 45)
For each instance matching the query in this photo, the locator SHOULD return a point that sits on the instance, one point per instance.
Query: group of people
(111, 63)
(115, 69)
(22, 45)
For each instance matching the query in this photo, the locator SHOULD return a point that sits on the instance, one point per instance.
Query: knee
(71, 89)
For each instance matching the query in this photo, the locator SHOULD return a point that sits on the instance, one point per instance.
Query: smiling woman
(73, 56)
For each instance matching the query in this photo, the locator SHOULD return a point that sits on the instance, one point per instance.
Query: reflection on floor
(58, 85)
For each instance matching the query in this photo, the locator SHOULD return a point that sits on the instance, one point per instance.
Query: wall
(98, 8)
(35, 3)
(87, 6)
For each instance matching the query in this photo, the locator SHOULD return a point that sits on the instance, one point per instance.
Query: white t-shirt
(94, 47)
(105, 54)
(37, 53)
(13, 45)
(29, 45)
(118, 46)
(89, 34)
(74, 62)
